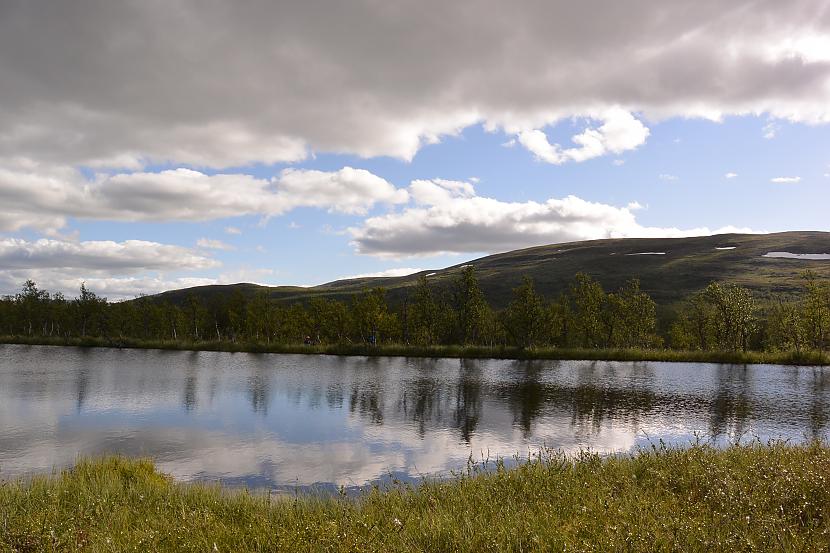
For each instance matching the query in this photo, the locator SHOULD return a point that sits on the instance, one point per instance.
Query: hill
(669, 269)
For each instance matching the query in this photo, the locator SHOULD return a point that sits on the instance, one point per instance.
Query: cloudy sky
(149, 144)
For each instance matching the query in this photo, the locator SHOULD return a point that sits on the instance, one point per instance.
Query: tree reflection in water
(731, 406)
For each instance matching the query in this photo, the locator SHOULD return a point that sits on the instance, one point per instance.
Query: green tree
(816, 317)
(197, 316)
(31, 302)
(371, 316)
(89, 311)
(424, 314)
(257, 318)
(586, 297)
(525, 316)
(734, 320)
(785, 328)
(637, 318)
(470, 307)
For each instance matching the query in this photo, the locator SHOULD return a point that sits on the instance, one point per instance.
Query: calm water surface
(292, 421)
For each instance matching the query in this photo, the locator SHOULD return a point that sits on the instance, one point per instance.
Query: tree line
(723, 317)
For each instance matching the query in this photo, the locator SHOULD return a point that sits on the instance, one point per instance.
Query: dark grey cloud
(227, 83)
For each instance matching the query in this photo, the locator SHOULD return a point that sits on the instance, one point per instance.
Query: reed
(806, 357)
(755, 497)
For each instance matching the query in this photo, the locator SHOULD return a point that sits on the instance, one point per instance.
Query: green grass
(745, 498)
(811, 358)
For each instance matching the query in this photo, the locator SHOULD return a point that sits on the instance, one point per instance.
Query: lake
(294, 422)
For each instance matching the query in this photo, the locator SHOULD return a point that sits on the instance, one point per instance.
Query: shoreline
(804, 358)
(773, 497)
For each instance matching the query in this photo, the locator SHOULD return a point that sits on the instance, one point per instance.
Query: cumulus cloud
(44, 200)
(396, 272)
(437, 191)
(233, 230)
(730, 175)
(383, 79)
(786, 180)
(459, 222)
(348, 190)
(619, 132)
(129, 255)
(114, 288)
(117, 269)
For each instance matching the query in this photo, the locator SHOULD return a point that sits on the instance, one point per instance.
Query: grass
(812, 358)
(745, 498)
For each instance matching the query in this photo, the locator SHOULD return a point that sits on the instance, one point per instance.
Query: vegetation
(744, 498)
(688, 266)
(715, 323)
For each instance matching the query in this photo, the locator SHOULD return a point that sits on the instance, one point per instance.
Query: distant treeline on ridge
(721, 317)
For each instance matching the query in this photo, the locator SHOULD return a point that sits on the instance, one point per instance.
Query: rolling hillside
(669, 268)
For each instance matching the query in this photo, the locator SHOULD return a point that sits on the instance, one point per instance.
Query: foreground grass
(469, 352)
(745, 498)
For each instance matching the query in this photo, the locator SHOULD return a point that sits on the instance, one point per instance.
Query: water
(289, 422)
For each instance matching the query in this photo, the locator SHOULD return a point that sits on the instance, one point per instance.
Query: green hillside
(683, 266)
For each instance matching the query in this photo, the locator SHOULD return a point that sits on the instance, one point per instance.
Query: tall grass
(745, 498)
(471, 352)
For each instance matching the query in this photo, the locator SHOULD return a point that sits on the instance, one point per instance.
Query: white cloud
(619, 132)
(396, 272)
(770, 130)
(786, 180)
(77, 91)
(437, 191)
(112, 288)
(246, 274)
(44, 200)
(475, 224)
(730, 175)
(114, 269)
(667, 177)
(233, 230)
(348, 190)
(618, 162)
(210, 244)
(129, 255)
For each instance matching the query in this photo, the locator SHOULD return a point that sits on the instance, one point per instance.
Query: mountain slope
(669, 268)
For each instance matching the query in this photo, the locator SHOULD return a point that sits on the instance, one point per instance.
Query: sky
(148, 145)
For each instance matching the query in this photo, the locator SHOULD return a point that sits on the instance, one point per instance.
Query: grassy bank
(470, 352)
(746, 498)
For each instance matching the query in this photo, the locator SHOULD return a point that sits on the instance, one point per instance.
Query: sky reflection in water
(286, 421)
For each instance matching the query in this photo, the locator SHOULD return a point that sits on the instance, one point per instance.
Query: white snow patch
(788, 255)
(647, 253)
(726, 247)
